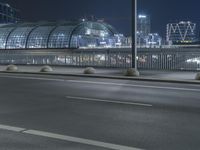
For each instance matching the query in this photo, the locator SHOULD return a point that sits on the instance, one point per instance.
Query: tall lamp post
(133, 71)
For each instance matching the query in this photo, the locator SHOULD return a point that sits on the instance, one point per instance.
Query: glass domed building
(79, 43)
(47, 35)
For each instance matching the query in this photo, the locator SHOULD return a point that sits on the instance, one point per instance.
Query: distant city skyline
(114, 12)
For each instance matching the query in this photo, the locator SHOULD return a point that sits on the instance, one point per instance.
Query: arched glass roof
(60, 37)
(18, 38)
(4, 33)
(39, 37)
(44, 35)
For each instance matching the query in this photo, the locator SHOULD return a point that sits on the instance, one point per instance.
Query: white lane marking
(80, 140)
(10, 128)
(33, 78)
(108, 101)
(67, 138)
(131, 85)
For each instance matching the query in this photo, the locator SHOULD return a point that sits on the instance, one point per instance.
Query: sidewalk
(110, 72)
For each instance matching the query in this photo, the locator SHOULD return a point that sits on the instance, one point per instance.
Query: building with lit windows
(153, 40)
(183, 32)
(58, 43)
(86, 43)
(144, 24)
(144, 36)
(8, 14)
(47, 35)
(143, 29)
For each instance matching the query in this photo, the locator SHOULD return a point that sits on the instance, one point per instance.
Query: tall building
(144, 24)
(143, 28)
(8, 14)
(183, 32)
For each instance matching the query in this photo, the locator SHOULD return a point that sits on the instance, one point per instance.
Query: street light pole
(134, 34)
(133, 70)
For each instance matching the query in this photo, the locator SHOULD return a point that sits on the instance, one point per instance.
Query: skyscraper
(143, 28)
(144, 24)
(8, 14)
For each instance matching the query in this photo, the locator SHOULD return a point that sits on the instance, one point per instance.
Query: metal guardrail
(159, 59)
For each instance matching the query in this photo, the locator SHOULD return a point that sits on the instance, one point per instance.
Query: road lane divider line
(80, 140)
(67, 138)
(33, 78)
(11, 128)
(135, 85)
(108, 101)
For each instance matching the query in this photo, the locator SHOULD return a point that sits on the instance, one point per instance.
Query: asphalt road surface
(71, 113)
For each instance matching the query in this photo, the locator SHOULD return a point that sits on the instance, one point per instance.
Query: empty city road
(45, 112)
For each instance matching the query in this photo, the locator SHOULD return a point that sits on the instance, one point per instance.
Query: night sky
(115, 12)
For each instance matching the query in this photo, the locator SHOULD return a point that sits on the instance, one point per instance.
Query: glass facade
(8, 14)
(57, 35)
(91, 35)
(3, 37)
(17, 38)
(39, 37)
(60, 37)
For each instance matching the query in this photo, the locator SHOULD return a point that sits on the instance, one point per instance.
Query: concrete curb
(107, 77)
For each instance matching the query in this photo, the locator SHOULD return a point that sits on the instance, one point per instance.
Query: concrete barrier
(12, 68)
(132, 72)
(197, 76)
(46, 69)
(89, 70)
